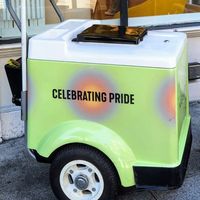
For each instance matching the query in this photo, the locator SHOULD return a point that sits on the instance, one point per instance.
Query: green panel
(136, 106)
(182, 94)
(182, 106)
(96, 136)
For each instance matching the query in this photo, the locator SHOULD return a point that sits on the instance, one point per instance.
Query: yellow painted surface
(156, 7)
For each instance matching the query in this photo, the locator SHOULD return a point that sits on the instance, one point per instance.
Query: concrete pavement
(22, 178)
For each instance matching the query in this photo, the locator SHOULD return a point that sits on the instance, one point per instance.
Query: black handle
(124, 13)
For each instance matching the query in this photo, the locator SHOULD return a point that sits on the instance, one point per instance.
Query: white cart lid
(158, 49)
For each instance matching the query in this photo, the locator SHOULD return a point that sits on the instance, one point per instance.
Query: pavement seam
(153, 195)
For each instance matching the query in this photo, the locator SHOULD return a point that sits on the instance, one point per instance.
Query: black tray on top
(112, 34)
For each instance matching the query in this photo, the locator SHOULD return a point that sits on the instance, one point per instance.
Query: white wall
(6, 52)
(11, 125)
(5, 92)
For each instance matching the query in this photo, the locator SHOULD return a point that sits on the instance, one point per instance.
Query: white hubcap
(81, 180)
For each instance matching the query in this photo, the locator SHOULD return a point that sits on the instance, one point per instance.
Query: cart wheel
(82, 173)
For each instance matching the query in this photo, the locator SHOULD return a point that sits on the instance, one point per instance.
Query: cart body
(130, 102)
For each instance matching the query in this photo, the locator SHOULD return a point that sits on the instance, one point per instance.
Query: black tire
(90, 155)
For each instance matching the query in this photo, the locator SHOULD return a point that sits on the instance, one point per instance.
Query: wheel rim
(81, 180)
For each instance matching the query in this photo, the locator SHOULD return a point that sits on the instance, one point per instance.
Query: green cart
(107, 108)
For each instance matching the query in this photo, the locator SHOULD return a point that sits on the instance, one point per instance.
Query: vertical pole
(124, 13)
(24, 46)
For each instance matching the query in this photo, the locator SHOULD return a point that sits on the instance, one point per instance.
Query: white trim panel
(159, 48)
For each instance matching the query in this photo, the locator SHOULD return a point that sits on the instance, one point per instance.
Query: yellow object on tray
(156, 7)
